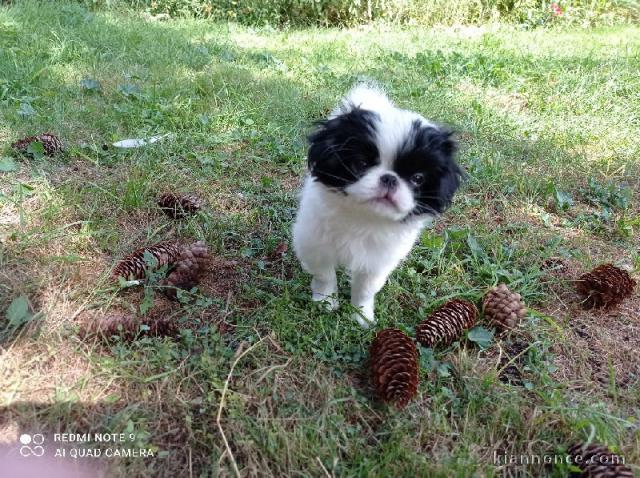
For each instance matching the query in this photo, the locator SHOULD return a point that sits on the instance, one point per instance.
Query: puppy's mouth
(385, 199)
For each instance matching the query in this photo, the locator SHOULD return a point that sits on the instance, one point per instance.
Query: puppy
(377, 175)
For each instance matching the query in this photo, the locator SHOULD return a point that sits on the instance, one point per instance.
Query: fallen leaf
(139, 142)
(7, 165)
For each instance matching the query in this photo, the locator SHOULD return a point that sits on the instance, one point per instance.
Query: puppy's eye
(417, 179)
(362, 163)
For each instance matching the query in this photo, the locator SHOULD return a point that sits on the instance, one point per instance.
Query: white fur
(330, 232)
(360, 230)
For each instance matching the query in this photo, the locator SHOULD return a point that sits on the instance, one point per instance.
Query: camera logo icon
(32, 444)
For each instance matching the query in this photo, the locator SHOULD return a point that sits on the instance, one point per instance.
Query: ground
(547, 121)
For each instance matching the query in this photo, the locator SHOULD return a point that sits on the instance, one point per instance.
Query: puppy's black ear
(447, 142)
(319, 144)
(452, 174)
(449, 184)
(438, 147)
(338, 144)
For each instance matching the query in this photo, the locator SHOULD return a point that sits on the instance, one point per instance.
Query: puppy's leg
(324, 286)
(317, 259)
(364, 287)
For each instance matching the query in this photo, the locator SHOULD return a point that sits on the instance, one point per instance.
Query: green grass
(548, 126)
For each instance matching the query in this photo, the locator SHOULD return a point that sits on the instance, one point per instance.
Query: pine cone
(446, 323)
(597, 461)
(126, 326)
(503, 308)
(51, 143)
(133, 266)
(279, 252)
(179, 205)
(554, 264)
(190, 266)
(394, 365)
(605, 286)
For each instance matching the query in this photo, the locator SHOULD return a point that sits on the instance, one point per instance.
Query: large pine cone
(447, 323)
(190, 266)
(597, 461)
(126, 326)
(605, 286)
(51, 143)
(504, 309)
(179, 205)
(134, 266)
(394, 365)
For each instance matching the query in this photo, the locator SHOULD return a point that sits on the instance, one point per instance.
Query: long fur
(377, 174)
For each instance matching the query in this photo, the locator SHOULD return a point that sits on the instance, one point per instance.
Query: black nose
(389, 180)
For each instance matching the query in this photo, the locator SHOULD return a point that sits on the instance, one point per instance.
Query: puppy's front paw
(365, 320)
(329, 302)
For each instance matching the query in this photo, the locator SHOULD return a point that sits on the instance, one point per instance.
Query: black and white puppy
(377, 175)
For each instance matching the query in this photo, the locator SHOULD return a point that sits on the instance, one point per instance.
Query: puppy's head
(389, 161)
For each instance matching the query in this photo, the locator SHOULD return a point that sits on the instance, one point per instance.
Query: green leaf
(7, 165)
(90, 84)
(480, 336)
(150, 260)
(247, 252)
(147, 301)
(24, 189)
(130, 427)
(563, 199)
(444, 369)
(227, 56)
(26, 111)
(18, 311)
(111, 398)
(427, 360)
(36, 149)
(432, 241)
(129, 89)
(474, 246)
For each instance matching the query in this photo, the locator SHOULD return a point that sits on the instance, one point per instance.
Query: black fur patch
(429, 151)
(343, 148)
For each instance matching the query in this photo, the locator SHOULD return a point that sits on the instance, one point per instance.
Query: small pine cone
(394, 365)
(190, 266)
(504, 309)
(605, 286)
(179, 205)
(597, 461)
(134, 266)
(51, 143)
(447, 323)
(280, 250)
(126, 326)
(554, 264)
(123, 325)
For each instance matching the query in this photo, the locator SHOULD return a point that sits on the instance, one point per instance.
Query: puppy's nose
(389, 181)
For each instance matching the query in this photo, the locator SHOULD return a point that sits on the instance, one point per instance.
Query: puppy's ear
(440, 147)
(338, 143)
(449, 183)
(447, 142)
(319, 144)
(452, 174)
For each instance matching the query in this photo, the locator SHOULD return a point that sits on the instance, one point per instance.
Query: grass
(548, 126)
